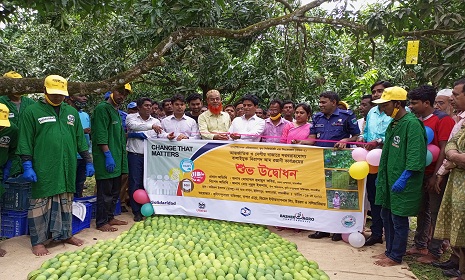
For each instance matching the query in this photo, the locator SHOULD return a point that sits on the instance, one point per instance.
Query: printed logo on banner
(348, 221)
(198, 176)
(245, 211)
(186, 185)
(202, 207)
(298, 217)
(187, 165)
(159, 202)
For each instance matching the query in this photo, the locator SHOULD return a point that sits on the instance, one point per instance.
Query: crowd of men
(110, 144)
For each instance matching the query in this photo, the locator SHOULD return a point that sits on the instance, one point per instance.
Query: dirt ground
(338, 259)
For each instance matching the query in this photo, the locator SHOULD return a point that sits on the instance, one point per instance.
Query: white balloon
(356, 239)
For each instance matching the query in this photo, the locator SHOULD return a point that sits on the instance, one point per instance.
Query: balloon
(147, 210)
(429, 134)
(434, 151)
(359, 170)
(141, 197)
(356, 239)
(374, 156)
(359, 154)
(429, 158)
(373, 169)
(345, 237)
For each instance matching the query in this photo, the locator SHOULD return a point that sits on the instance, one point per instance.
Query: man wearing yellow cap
(8, 143)
(50, 135)
(400, 175)
(109, 151)
(16, 103)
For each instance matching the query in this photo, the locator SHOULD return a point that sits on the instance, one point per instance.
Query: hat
(343, 103)
(55, 84)
(336, 192)
(445, 92)
(132, 105)
(107, 95)
(12, 74)
(128, 88)
(392, 93)
(4, 114)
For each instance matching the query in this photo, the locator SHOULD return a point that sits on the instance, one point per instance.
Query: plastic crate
(117, 208)
(92, 200)
(14, 223)
(17, 194)
(78, 225)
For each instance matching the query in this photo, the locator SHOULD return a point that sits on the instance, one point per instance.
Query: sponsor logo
(159, 202)
(71, 120)
(298, 217)
(348, 221)
(396, 141)
(187, 165)
(202, 207)
(245, 211)
(186, 185)
(46, 119)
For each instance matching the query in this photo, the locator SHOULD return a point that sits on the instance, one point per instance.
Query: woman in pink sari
(300, 128)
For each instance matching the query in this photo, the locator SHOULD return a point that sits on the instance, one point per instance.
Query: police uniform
(341, 124)
(53, 141)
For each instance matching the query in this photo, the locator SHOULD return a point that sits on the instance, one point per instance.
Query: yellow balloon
(359, 170)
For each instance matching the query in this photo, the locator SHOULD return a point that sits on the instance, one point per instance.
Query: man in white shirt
(140, 126)
(179, 126)
(248, 127)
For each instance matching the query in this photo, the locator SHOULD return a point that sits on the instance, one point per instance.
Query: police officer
(332, 123)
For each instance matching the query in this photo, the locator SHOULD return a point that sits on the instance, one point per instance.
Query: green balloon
(147, 210)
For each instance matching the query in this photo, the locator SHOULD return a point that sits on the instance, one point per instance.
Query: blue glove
(401, 183)
(29, 173)
(137, 135)
(109, 162)
(6, 170)
(90, 171)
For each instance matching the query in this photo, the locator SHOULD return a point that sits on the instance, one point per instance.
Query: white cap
(445, 92)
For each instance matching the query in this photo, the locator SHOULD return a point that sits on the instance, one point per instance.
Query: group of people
(58, 145)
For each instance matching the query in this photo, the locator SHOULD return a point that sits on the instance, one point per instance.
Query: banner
(271, 184)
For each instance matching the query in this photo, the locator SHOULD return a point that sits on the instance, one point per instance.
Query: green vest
(404, 149)
(8, 143)
(108, 130)
(14, 113)
(53, 141)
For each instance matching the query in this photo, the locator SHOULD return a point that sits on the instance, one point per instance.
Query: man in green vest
(50, 135)
(16, 103)
(400, 175)
(8, 143)
(109, 151)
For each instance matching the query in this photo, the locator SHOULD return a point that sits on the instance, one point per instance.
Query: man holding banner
(400, 176)
(248, 127)
(214, 123)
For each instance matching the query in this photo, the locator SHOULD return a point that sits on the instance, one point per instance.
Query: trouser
(107, 194)
(426, 219)
(376, 221)
(136, 178)
(80, 177)
(50, 217)
(396, 234)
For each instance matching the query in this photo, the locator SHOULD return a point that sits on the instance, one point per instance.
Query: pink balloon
(141, 197)
(359, 154)
(345, 237)
(373, 157)
(434, 151)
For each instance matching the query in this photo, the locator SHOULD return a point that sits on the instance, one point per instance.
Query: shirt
(196, 118)
(341, 124)
(52, 140)
(186, 125)
(16, 112)
(460, 118)
(107, 129)
(274, 130)
(85, 121)
(135, 123)
(123, 115)
(250, 129)
(209, 124)
(376, 125)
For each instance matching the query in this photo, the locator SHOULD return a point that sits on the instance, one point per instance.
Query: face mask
(79, 104)
(394, 112)
(50, 102)
(276, 118)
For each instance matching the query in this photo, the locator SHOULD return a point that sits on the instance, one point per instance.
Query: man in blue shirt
(332, 123)
(373, 134)
(79, 101)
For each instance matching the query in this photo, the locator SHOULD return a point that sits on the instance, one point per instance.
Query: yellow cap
(128, 88)
(12, 74)
(4, 114)
(55, 84)
(392, 93)
(343, 103)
